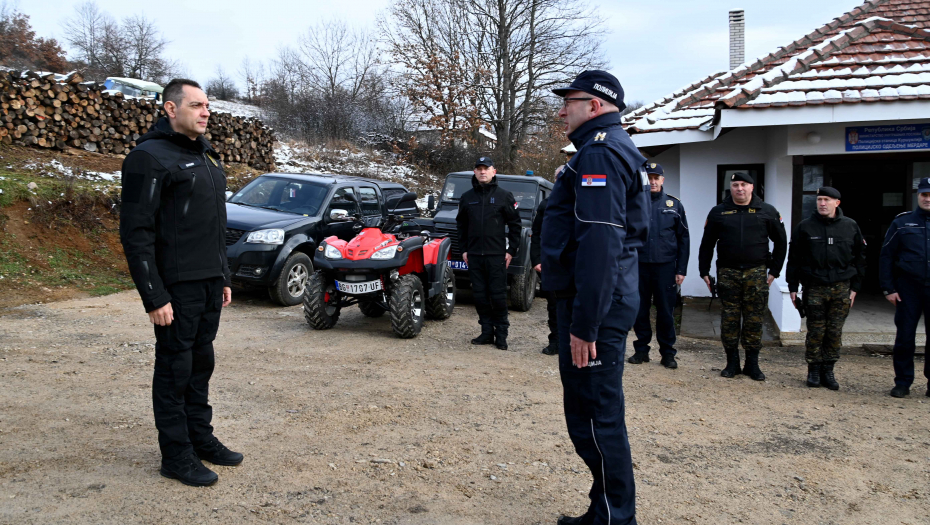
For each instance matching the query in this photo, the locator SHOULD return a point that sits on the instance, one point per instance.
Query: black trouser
(595, 411)
(488, 274)
(552, 308)
(656, 284)
(915, 301)
(183, 365)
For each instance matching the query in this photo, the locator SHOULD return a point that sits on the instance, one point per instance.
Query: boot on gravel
(486, 338)
(500, 339)
(751, 368)
(813, 375)
(827, 377)
(552, 349)
(217, 453)
(670, 363)
(189, 471)
(585, 519)
(638, 358)
(732, 368)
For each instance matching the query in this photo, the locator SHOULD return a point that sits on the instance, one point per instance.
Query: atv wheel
(288, 290)
(370, 308)
(320, 313)
(523, 290)
(407, 307)
(440, 306)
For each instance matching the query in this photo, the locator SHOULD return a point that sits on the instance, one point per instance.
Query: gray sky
(654, 46)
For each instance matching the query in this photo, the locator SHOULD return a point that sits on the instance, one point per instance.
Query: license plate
(458, 265)
(358, 288)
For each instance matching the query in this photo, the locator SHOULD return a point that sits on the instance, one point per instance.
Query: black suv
(276, 222)
(529, 192)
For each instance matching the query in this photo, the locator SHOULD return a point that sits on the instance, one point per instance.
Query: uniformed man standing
(740, 227)
(597, 217)
(663, 264)
(487, 248)
(827, 257)
(904, 276)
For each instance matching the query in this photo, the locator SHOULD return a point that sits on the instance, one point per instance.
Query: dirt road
(353, 425)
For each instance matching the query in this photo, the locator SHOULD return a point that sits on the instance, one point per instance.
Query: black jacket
(905, 250)
(741, 235)
(825, 251)
(669, 240)
(484, 210)
(173, 214)
(536, 240)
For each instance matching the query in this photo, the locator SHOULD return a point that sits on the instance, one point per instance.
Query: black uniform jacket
(905, 252)
(173, 214)
(484, 211)
(536, 240)
(669, 240)
(826, 250)
(741, 235)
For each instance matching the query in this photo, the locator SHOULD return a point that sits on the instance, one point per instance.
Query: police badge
(669, 203)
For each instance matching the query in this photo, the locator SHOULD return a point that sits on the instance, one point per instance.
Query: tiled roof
(879, 51)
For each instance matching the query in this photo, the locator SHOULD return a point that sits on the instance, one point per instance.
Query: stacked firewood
(53, 111)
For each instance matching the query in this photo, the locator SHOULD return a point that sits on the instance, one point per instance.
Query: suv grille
(233, 236)
(453, 234)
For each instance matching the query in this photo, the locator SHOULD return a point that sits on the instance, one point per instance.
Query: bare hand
(794, 299)
(582, 351)
(465, 257)
(227, 296)
(894, 298)
(162, 316)
(852, 298)
(507, 259)
(707, 280)
(679, 279)
(538, 268)
(770, 279)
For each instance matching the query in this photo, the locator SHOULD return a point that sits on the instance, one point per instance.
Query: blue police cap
(654, 168)
(924, 186)
(484, 161)
(598, 83)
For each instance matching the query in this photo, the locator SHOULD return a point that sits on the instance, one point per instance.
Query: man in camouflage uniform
(740, 228)
(827, 257)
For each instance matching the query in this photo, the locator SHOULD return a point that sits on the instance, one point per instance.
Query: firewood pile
(59, 112)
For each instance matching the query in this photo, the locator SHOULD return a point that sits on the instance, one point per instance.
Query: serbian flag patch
(594, 180)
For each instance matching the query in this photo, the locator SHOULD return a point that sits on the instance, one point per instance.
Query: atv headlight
(332, 252)
(266, 237)
(385, 253)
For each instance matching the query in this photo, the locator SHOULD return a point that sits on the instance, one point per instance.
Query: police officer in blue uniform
(596, 219)
(663, 264)
(904, 276)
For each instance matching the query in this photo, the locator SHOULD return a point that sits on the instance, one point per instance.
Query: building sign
(888, 138)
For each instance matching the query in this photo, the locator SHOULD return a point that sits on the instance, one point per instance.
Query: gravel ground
(353, 425)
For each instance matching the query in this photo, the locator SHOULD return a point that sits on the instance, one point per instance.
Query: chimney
(737, 39)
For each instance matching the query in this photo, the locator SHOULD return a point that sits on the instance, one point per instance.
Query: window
(724, 172)
(812, 179)
(368, 199)
(340, 202)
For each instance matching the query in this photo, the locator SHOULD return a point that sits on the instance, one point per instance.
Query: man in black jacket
(484, 212)
(551, 303)
(740, 227)
(827, 257)
(173, 229)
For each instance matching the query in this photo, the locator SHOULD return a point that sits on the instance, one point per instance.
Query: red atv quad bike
(397, 267)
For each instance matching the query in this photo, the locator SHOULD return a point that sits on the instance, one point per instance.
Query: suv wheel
(290, 286)
(407, 307)
(523, 290)
(440, 306)
(320, 300)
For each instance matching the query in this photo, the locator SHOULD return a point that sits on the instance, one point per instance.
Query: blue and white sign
(888, 138)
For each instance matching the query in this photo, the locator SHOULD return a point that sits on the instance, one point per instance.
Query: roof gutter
(823, 114)
(666, 138)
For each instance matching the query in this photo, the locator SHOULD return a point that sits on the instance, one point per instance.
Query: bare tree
(144, 46)
(253, 77)
(84, 32)
(222, 86)
(334, 56)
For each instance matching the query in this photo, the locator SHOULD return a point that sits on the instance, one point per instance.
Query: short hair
(174, 91)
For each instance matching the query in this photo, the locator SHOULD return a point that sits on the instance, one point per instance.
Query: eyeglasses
(566, 100)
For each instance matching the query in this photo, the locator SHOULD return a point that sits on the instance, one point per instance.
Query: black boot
(189, 471)
(552, 349)
(827, 377)
(486, 337)
(732, 368)
(500, 338)
(638, 358)
(585, 519)
(813, 375)
(217, 453)
(900, 391)
(751, 368)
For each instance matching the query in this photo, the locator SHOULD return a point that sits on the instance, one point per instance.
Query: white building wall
(670, 160)
(779, 179)
(830, 139)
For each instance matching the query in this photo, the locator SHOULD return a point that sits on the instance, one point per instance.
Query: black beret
(741, 176)
(654, 168)
(827, 191)
(484, 161)
(598, 83)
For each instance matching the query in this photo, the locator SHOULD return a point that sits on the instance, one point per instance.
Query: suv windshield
(280, 194)
(524, 191)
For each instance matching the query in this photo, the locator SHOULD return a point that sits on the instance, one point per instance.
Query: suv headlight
(385, 253)
(331, 252)
(266, 237)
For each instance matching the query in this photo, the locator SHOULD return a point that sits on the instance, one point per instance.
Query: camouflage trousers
(744, 296)
(827, 308)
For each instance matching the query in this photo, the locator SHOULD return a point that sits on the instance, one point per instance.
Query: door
(344, 230)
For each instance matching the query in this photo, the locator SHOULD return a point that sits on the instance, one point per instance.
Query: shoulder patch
(672, 196)
(902, 213)
(600, 137)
